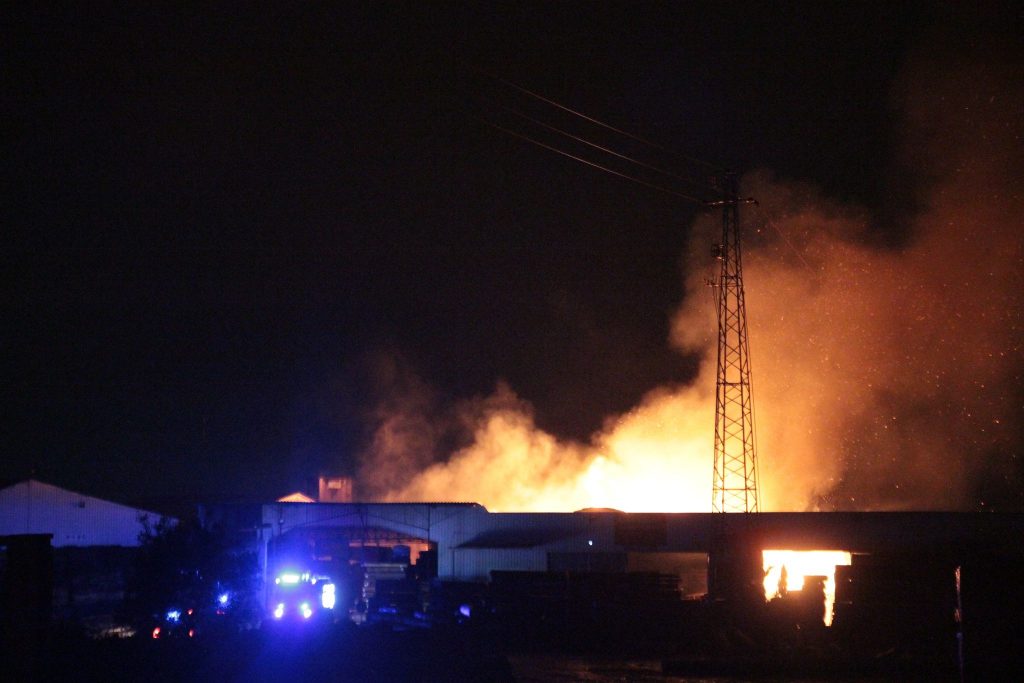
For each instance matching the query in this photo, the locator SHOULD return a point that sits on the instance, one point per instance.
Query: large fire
(654, 459)
(881, 378)
(785, 571)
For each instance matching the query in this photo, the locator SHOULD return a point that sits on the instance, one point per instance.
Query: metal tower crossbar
(735, 487)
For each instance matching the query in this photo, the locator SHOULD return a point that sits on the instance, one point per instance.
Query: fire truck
(300, 597)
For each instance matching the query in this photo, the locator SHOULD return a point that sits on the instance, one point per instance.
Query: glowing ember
(798, 564)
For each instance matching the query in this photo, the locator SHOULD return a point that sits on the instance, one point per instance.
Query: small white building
(74, 519)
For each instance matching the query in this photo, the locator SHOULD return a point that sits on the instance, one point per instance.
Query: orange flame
(799, 564)
(882, 378)
(654, 459)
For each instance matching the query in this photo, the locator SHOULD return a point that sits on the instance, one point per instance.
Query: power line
(526, 91)
(686, 179)
(591, 163)
(785, 238)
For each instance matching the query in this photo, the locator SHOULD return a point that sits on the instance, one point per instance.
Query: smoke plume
(885, 377)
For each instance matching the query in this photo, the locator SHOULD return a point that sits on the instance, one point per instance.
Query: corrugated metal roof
(74, 519)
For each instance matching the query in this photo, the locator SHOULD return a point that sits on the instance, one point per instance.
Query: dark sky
(218, 219)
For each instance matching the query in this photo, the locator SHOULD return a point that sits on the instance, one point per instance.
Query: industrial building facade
(74, 519)
(469, 543)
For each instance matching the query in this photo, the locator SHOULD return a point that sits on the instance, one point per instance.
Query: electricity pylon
(735, 487)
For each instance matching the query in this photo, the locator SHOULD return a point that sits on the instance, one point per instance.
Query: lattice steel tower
(735, 486)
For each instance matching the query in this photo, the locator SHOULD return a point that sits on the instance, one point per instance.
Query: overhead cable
(607, 150)
(785, 238)
(531, 93)
(592, 164)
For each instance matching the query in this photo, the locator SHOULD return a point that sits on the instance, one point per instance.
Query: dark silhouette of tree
(184, 566)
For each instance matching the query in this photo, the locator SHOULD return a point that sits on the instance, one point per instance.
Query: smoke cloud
(891, 378)
(512, 465)
(884, 377)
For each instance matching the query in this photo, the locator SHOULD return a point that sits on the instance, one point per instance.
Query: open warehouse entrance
(355, 559)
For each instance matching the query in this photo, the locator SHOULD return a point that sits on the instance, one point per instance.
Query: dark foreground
(344, 652)
(336, 653)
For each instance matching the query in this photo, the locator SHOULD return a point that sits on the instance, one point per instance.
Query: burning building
(871, 558)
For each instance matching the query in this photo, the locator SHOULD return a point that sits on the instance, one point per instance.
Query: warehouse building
(74, 519)
(92, 541)
(707, 553)
(874, 581)
(470, 542)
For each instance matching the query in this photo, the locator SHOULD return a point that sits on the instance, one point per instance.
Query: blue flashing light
(174, 615)
(279, 610)
(329, 596)
(290, 578)
(223, 598)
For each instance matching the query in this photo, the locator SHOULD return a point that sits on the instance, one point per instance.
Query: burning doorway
(788, 571)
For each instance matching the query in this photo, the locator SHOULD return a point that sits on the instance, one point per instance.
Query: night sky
(220, 224)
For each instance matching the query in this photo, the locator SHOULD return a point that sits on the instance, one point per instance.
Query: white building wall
(476, 564)
(32, 507)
